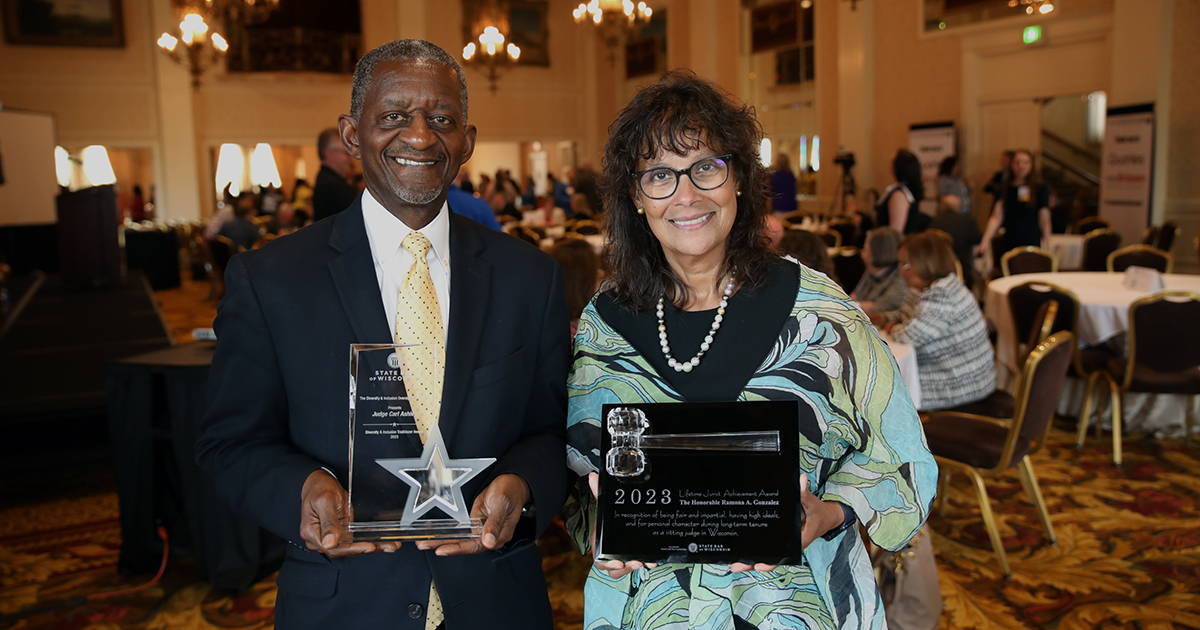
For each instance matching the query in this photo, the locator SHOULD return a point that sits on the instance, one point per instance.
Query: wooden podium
(87, 236)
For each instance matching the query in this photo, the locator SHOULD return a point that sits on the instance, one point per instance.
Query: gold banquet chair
(1140, 256)
(1088, 224)
(981, 446)
(1028, 259)
(1163, 358)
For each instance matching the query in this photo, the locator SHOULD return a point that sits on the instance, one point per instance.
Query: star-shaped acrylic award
(436, 480)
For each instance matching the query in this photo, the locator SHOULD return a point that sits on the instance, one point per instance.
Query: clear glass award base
(394, 494)
(430, 529)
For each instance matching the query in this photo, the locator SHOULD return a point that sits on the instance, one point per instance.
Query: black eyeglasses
(706, 174)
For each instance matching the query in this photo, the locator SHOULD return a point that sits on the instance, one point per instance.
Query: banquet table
(1104, 317)
(1068, 249)
(155, 404)
(156, 253)
(906, 359)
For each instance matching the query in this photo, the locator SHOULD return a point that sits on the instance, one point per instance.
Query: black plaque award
(394, 497)
(700, 483)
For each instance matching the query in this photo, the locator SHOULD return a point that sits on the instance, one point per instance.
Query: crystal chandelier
(1032, 7)
(614, 20)
(244, 12)
(193, 30)
(199, 51)
(491, 55)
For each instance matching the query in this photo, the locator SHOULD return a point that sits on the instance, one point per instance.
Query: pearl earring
(640, 211)
(738, 193)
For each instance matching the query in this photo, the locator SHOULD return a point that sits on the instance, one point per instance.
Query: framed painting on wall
(646, 52)
(64, 23)
(774, 26)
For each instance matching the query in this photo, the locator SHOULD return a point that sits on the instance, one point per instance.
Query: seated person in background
(502, 206)
(470, 206)
(286, 215)
(862, 221)
(774, 230)
(962, 228)
(955, 362)
(554, 215)
(783, 185)
(581, 274)
(240, 229)
(809, 249)
(881, 289)
(581, 208)
(951, 184)
(558, 190)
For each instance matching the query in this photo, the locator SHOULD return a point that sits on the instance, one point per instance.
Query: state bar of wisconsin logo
(693, 547)
(394, 360)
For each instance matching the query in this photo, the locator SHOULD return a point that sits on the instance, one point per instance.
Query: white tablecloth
(1104, 304)
(1104, 314)
(1068, 249)
(907, 360)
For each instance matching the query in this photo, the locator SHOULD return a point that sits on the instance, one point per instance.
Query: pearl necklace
(686, 366)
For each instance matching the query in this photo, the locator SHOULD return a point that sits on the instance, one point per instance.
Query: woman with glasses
(697, 308)
(955, 362)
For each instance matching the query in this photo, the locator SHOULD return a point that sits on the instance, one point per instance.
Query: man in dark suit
(332, 192)
(275, 438)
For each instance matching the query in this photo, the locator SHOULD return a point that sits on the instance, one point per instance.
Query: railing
(294, 49)
(1076, 149)
(1067, 167)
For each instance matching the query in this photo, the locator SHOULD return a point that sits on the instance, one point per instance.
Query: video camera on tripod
(846, 185)
(845, 159)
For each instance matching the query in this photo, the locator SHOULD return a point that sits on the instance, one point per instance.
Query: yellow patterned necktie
(419, 321)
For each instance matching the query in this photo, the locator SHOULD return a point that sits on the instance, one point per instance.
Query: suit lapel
(470, 286)
(353, 272)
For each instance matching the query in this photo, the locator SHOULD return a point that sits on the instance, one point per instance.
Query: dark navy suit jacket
(279, 410)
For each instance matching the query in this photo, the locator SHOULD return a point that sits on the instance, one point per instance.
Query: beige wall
(130, 97)
(134, 97)
(1181, 118)
(98, 95)
(917, 80)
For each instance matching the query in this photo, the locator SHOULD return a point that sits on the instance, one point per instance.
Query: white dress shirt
(386, 234)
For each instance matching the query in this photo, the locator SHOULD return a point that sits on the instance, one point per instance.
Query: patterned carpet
(1128, 553)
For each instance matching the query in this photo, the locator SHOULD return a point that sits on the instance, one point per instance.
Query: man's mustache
(417, 156)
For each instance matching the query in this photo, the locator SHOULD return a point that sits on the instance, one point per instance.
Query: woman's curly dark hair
(678, 114)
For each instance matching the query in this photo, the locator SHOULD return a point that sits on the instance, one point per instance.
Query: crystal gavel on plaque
(628, 428)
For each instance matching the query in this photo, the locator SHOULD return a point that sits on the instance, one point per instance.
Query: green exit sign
(1032, 34)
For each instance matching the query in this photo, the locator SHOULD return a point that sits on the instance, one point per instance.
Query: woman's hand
(615, 568)
(819, 516)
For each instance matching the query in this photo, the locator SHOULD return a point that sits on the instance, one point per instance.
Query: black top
(916, 221)
(965, 232)
(1021, 215)
(750, 328)
(331, 194)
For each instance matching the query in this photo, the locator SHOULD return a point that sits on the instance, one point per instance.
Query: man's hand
(499, 505)
(324, 507)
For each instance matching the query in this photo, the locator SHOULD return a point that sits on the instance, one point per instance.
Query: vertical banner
(931, 143)
(1126, 174)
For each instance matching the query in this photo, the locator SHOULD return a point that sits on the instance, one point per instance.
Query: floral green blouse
(830, 358)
